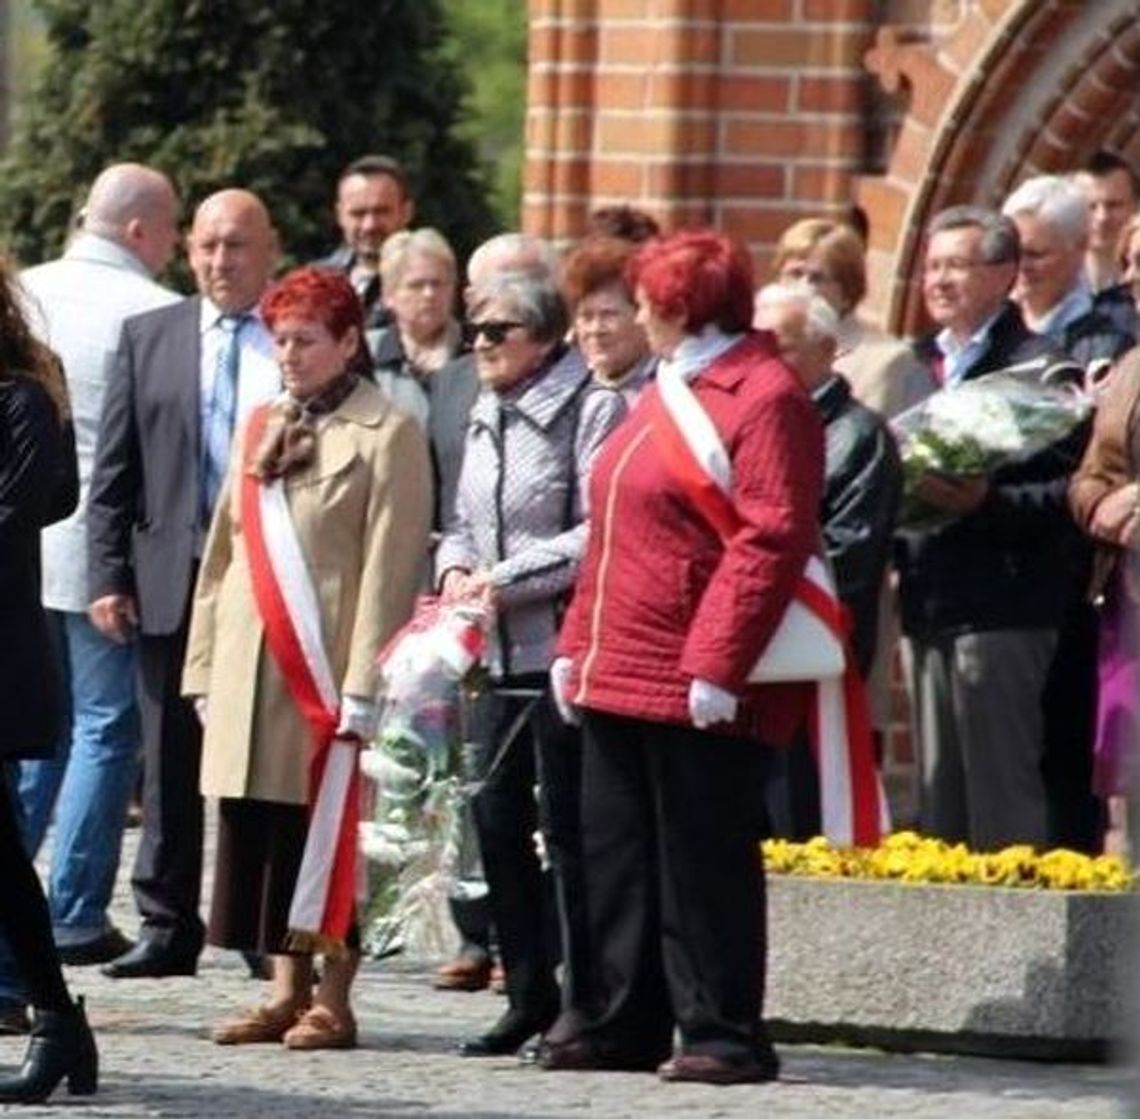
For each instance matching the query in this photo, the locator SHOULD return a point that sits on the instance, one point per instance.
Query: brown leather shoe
(580, 1055)
(257, 1026)
(704, 1068)
(465, 973)
(320, 1028)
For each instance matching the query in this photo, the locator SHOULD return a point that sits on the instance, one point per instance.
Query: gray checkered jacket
(520, 510)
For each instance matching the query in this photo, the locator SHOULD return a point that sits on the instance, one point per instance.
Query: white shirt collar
(211, 314)
(957, 356)
(1076, 302)
(696, 352)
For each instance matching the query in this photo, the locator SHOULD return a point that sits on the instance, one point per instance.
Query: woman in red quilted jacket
(670, 614)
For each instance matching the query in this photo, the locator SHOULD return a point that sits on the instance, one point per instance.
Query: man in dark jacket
(983, 597)
(1053, 218)
(862, 489)
(373, 201)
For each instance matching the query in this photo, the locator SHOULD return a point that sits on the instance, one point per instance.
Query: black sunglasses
(494, 330)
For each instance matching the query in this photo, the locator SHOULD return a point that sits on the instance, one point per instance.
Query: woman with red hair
(311, 564)
(676, 599)
(604, 315)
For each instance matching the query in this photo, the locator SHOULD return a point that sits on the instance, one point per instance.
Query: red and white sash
(853, 806)
(324, 897)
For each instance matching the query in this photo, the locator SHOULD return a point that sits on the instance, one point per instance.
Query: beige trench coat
(361, 512)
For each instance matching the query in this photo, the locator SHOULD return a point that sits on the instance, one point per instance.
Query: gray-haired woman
(515, 541)
(418, 271)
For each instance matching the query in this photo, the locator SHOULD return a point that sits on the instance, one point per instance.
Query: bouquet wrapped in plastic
(412, 839)
(978, 426)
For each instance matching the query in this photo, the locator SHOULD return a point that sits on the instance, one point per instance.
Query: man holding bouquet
(983, 594)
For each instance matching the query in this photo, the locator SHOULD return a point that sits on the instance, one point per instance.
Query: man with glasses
(984, 595)
(1052, 218)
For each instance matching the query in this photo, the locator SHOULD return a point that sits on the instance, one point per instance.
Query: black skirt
(260, 844)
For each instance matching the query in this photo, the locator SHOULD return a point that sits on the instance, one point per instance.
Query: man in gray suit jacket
(77, 304)
(149, 508)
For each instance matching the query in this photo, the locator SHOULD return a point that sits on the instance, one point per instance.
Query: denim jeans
(88, 782)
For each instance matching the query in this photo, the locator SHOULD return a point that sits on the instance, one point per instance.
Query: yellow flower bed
(908, 857)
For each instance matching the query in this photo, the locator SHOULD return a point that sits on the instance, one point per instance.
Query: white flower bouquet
(412, 838)
(981, 425)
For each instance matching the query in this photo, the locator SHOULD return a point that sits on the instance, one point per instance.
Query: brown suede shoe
(258, 1026)
(465, 973)
(320, 1028)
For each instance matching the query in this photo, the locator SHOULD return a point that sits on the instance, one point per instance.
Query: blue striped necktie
(218, 431)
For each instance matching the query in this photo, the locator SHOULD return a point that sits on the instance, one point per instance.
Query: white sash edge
(297, 590)
(310, 896)
(695, 426)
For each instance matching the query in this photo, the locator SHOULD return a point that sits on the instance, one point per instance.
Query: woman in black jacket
(38, 485)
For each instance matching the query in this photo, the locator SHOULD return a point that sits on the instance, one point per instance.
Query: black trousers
(1076, 818)
(674, 887)
(543, 750)
(791, 791)
(167, 878)
(25, 923)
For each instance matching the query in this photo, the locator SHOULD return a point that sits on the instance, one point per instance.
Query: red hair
(696, 275)
(596, 263)
(315, 295)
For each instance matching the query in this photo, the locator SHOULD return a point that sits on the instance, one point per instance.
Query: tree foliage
(274, 97)
(487, 40)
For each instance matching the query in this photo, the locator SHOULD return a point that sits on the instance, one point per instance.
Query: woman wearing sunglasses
(514, 543)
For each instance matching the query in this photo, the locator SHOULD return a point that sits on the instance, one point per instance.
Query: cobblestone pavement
(156, 1061)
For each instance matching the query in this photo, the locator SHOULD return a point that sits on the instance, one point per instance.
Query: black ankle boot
(61, 1045)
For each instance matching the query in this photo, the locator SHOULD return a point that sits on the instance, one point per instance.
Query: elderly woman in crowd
(681, 588)
(514, 544)
(39, 485)
(604, 317)
(882, 371)
(862, 489)
(418, 271)
(311, 564)
(1104, 495)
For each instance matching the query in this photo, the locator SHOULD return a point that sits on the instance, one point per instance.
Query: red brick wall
(745, 119)
(748, 114)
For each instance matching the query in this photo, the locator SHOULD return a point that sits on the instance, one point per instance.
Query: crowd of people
(215, 511)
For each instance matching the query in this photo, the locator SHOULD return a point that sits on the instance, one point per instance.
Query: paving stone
(157, 1061)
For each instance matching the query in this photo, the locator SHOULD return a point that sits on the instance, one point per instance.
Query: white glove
(201, 707)
(709, 704)
(357, 718)
(560, 688)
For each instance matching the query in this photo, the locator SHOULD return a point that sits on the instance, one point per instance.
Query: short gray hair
(534, 300)
(399, 248)
(1000, 243)
(1055, 200)
(820, 318)
(514, 252)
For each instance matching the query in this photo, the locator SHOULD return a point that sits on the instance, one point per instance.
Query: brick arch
(1021, 87)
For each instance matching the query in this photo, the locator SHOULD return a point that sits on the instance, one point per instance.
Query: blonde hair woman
(883, 372)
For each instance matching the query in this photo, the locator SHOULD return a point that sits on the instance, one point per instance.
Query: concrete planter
(972, 969)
